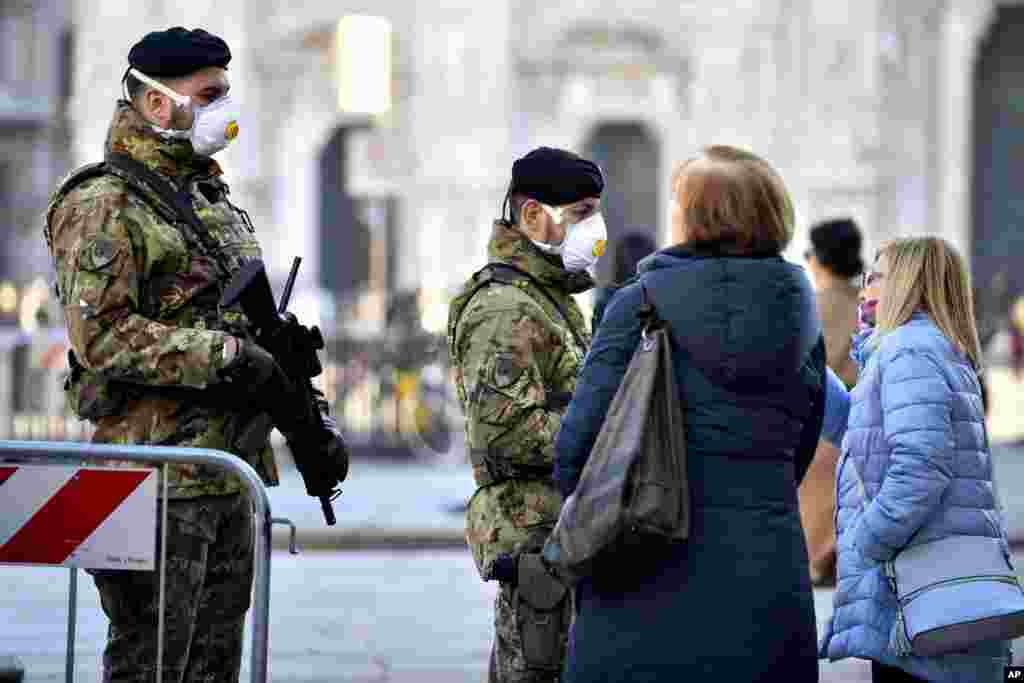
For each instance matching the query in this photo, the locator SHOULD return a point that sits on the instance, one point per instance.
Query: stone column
(459, 130)
(965, 24)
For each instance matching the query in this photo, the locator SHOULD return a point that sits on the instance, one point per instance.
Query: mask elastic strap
(554, 211)
(181, 100)
(506, 205)
(124, 83)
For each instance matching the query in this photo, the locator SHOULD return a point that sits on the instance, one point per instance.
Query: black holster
(540, 607)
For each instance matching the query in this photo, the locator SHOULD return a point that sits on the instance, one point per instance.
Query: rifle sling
(185, 218)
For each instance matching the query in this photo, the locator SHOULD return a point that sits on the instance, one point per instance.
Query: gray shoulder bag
(951, 593)
(633, 487)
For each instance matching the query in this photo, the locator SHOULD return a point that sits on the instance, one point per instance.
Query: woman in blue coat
(734, 602)
(916, 438)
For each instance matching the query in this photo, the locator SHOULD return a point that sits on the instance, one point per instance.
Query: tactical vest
(491, 467)
(504, 274)
(89, 394)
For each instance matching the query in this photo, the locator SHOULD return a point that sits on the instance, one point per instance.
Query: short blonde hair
(928, 274)
(735, 200)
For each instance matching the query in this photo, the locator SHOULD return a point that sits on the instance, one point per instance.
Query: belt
(490, 468)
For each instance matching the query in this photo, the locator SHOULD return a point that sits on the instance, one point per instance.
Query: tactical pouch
(541, 614)
(89, 395)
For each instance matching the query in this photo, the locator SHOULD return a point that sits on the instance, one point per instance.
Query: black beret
(178, 52)
(556, 177)
(837, 245)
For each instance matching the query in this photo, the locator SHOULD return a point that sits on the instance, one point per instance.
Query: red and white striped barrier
(87, 517)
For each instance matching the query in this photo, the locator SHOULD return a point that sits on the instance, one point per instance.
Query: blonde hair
(927, 273)
(734, 199)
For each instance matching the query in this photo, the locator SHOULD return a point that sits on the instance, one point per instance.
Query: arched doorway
(628, 156)
(997, 216)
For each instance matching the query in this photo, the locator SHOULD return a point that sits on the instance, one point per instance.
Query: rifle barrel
(325, 505)
(287, 293)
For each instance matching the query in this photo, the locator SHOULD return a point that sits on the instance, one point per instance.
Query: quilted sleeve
(837, 409)
(917, 424)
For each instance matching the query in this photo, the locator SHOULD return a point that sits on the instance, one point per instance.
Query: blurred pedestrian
(1017, 338)
(155, 358)
(916, 438)
(734, 602)
(516, 339)
(834, 261)
(624, 255)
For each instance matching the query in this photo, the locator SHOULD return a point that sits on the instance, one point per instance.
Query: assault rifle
(302, 417)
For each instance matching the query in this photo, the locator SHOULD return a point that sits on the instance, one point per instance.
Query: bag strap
(648, 312)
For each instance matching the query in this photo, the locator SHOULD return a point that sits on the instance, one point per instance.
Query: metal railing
(49, 452)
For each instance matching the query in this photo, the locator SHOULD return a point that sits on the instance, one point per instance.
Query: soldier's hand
(247, 363)
(335, 452)
(320, 454)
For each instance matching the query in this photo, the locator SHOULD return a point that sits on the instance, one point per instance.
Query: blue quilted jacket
(916, 435)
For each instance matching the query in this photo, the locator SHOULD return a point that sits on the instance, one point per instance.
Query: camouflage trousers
(514, 659)
(208, 584)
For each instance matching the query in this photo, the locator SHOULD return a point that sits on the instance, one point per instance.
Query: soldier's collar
(131, 134)
(509, 245)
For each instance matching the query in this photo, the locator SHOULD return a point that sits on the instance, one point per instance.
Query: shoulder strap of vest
(148, 183)
(505, 274)
(73, 180)
(171, 205)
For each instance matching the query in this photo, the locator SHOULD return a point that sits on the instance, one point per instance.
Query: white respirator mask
(584, 241)
(214, 125)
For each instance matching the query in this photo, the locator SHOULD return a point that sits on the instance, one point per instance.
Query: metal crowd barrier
(51, 452)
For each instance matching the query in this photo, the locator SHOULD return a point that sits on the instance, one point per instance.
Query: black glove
(254, 371)
(252, 366)
(320, 454)
(335, 452)
(506, 569)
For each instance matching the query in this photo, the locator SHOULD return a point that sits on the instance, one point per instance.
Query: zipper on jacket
(835, 489)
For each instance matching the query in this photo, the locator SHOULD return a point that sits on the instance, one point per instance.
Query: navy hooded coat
(734, 603)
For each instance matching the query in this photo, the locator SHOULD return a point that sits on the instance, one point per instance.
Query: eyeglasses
(871, 277)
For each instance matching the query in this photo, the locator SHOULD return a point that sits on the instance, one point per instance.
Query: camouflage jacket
(512, 352)
(141, 304)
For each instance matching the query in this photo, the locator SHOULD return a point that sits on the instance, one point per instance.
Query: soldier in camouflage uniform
(155, 358)
(516, 338)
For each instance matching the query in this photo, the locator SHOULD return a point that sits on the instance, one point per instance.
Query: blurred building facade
(35, 86)
(385, 166)
(865, 107)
